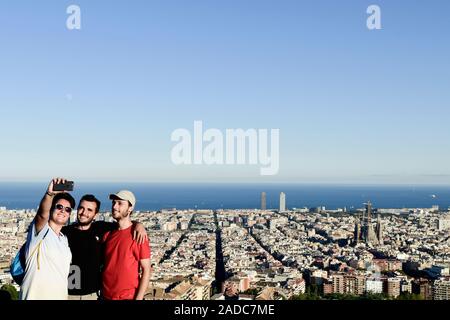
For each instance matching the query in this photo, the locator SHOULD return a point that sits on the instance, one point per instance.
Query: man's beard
(85, 223)
(120, 215)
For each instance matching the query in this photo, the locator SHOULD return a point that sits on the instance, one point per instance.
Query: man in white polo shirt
(48, 254)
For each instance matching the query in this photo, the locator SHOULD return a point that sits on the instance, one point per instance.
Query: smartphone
(68, 186)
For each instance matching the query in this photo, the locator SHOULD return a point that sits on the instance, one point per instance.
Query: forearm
(135, 223)
(143, 284)
(43, 212)
(139, 232)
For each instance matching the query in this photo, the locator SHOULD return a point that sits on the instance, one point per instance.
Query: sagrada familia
(364, 231)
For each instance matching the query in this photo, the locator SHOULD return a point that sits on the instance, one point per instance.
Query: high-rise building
(441, 289)
(327, 288)
(354, 284)
(282, 202)
(369, 236)
(357, 235)
(379, 230)
(338, 283)
(374, 285)
(393, 287)
(263, 201)
(406, 286)
(347, 284)
(423, 288)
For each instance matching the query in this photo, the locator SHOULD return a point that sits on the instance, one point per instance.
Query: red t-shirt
(121, 270)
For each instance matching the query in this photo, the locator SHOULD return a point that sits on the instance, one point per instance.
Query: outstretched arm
(43, 213)
(145, 278)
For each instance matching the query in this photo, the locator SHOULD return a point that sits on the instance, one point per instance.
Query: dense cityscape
(271, 254)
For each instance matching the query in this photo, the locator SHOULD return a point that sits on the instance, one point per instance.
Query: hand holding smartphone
(63, 186)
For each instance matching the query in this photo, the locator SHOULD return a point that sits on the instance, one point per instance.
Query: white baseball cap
(124, 195)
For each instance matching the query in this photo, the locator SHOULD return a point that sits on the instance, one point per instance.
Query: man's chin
(61, 222)
(85, 223)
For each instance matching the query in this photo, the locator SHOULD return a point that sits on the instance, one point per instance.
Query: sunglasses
(61, 207)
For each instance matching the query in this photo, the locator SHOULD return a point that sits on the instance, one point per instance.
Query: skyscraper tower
(263, 201)
(369, 233)
(379, 230)
(282, 202)
(357, 235)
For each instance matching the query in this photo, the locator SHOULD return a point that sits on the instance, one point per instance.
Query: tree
(313, 290)
(409, 296)
(375, 296)
(305, 296)
(340, 296)
(11, 290)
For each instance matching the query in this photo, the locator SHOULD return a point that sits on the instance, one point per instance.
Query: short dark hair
(65, 196)
(91, 198)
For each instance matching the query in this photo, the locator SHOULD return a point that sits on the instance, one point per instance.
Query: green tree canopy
(11, 290)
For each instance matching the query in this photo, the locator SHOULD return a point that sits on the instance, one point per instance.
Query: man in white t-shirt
(48, 254)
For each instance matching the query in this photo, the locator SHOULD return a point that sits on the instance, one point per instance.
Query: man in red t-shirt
(123, 256)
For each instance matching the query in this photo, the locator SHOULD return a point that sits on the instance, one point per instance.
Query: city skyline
(267, 255)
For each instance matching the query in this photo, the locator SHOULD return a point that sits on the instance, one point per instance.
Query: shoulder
(106, 236)
(103, 226)
(32, 231)
(68, 228)
(64, 238)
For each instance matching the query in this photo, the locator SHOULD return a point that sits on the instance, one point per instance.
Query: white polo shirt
(47, 270)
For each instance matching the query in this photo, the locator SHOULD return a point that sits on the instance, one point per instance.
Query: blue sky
(99, 104)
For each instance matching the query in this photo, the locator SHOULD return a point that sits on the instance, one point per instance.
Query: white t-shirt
(50, 280)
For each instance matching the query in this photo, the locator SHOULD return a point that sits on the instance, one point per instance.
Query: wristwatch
(51, 194)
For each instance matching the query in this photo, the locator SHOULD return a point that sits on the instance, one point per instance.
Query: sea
(158, 196)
